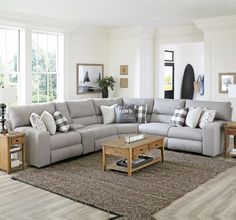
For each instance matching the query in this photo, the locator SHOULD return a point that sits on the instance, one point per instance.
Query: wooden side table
(10, 145)
(229, 129)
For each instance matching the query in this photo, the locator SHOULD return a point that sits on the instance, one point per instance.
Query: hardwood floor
(215, 199)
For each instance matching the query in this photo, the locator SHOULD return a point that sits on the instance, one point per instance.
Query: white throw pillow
(37, 122)
(207, 117)
(108, 113)
(49, 122)
(193, 117)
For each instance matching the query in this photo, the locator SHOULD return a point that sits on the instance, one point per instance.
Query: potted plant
(105, 83)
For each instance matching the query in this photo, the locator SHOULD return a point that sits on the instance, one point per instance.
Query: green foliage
(106, 82)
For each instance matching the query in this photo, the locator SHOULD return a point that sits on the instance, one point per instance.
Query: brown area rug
(136, 197)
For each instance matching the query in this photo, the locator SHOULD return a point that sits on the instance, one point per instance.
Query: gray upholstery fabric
(167, 106)
(101, 130)
(161, 118)
(154, 128)
(20, 115)
(98, 142)
(67, 152)
(106, 102)
(81, 108)
(223, 109)
(213, 138)
(76, 126)
(140, 101)
(186, 133)
(88, 139)
(62, 107)
(131, 128)
(37, 146)
(89, 120)
(184, 145)
(60, 140)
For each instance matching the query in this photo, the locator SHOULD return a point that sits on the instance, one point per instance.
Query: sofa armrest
(37, 146)
(213, 138)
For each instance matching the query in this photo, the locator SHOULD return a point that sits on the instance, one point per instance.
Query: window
(9, 57)
(169, 74)
(44, 67)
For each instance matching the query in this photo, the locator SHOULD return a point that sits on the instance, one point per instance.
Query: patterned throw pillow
(206, 117)
(61, 122)
(125, 114)
(37, 122)
(141, 113)
(178, 119)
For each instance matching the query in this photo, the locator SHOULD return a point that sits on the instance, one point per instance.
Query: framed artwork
(225, 79)
(123, 83)
(123, 69)
(87, 76)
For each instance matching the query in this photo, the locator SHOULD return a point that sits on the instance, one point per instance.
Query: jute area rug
(136, 197)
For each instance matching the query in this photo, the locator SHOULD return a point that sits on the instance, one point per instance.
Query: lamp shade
(8, 94)
(232, 91)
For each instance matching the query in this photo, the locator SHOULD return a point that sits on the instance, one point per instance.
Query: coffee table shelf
(131, 151)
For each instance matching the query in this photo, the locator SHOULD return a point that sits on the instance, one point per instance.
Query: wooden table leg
(226, 143)
(103, 158)
(234, 141)
(23, 156)
(129, 161)
(162, 153)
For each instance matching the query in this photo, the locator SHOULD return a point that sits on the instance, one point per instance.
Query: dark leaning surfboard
(187, 83)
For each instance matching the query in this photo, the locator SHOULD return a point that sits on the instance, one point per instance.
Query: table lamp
(7, 95)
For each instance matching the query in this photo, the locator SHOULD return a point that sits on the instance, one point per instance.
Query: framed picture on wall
(225, 79)
(123, 69)
(87, 76)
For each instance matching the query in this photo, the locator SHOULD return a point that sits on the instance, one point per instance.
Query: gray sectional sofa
(87, 130)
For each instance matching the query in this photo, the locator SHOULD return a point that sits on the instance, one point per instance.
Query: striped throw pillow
(141, 113)
(178, 119)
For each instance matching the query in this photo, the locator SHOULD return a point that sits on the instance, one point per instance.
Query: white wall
(86, 45)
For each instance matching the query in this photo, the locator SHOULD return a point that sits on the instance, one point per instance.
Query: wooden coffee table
(131, 151)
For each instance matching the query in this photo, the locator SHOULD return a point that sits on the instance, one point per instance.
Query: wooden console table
(229, 129)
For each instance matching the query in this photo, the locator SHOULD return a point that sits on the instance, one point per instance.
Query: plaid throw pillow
(141, 113)
(178, 119)
(61, 122)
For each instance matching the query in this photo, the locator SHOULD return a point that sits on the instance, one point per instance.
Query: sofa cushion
(81, 108)
(76, 126)
(20, 115)
(37, 122)
(154, 128)
(167, 106)
(160, 118)
(49, 122)
(129, 128)
(223, 109)
(186, 133)
(62, 107)
(105, 102)
(61, 122)
(60, 140)
(101, 130)
(82, 111)
(125, 114)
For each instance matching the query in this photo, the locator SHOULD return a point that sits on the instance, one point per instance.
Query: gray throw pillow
(49, 122)
(125, 114)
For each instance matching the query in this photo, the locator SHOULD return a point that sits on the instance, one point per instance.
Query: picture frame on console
(225, 79)
(87, 76)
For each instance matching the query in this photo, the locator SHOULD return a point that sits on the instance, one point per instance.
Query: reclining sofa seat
(87, 130)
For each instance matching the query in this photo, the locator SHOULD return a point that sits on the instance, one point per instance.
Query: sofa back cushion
(82, 111)
(141, 101)
(223, 109)
(20, 115)
(164, 109)
(63, 109)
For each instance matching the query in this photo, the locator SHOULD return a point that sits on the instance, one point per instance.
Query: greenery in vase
(106, 82)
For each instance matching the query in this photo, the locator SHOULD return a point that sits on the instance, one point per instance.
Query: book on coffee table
(142, 159)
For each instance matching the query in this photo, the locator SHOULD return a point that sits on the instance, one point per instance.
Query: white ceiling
(123, 13)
